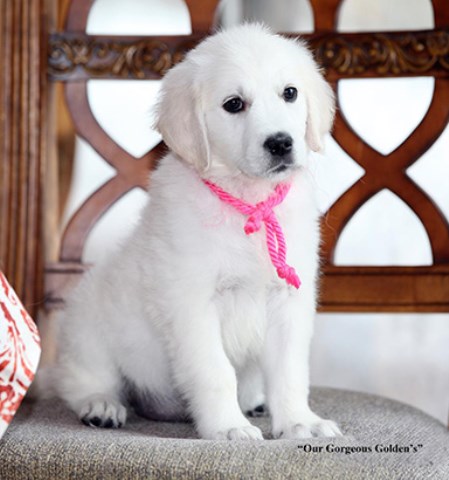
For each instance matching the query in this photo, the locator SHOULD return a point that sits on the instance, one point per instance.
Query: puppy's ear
(321, 107)
(179, 116)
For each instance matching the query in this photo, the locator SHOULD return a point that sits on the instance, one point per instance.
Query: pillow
(19, 353)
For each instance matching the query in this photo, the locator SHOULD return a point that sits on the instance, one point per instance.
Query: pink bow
(260, 213)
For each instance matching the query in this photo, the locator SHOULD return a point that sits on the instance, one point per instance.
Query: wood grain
(22, 146)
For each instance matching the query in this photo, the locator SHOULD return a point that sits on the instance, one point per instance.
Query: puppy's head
(246, 101)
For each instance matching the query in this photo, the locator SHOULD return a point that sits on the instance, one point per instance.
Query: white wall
(401, 356)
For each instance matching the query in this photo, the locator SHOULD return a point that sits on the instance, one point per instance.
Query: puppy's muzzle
(280, 146)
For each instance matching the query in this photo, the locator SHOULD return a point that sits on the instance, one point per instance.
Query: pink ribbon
(260, 213)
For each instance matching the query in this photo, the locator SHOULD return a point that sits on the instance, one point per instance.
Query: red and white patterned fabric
(19, 353)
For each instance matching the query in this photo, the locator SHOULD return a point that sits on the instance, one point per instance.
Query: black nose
(279, 144)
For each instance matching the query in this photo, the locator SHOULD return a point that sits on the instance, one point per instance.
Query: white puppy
(190, 319)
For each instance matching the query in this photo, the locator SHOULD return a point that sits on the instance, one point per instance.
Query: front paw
(309, 428)
(246, 432)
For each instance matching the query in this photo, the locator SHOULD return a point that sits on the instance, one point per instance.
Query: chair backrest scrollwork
(74, 57)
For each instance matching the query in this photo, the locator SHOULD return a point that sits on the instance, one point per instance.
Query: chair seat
(384, 439)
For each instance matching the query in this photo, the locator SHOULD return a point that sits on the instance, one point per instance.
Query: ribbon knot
(260, 213)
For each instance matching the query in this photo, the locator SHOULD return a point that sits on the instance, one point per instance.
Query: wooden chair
(37, 58)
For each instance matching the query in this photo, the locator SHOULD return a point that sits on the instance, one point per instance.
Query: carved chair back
(73, 57)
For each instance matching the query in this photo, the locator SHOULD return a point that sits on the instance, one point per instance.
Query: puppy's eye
(290, 94)
(234, 105)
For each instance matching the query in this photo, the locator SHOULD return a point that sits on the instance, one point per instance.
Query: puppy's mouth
(281, 167)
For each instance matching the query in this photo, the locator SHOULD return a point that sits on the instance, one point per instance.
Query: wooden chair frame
(35, 56)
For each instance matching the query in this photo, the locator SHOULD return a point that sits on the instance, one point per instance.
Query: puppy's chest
(241, 306)
(248, 255)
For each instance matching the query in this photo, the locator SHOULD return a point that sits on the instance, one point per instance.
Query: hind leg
(88, 380)
(94, 395)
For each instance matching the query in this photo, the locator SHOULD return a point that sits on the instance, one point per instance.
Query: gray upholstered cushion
(46, 441)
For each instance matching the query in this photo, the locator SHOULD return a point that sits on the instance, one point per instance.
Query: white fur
(190, 311)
